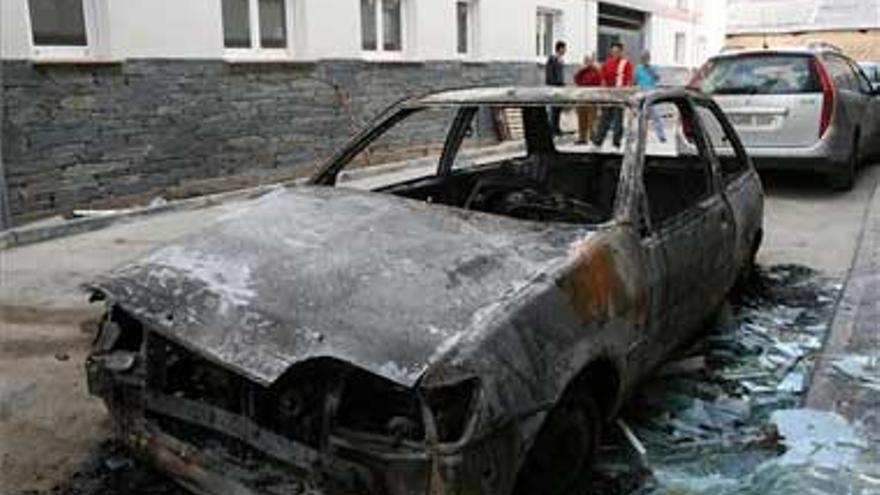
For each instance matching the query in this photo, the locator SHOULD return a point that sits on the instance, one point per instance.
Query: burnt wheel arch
(593, 397)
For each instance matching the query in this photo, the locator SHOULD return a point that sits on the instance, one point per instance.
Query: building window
(680, 43)
(67, 29)
(382, 25)
(256, 26)
(58, 23)
(466, 24)
(547, 27)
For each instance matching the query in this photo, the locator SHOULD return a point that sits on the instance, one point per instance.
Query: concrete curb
(26, 235)
(857, 303)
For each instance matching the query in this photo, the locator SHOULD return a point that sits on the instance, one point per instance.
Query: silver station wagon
(798, 109)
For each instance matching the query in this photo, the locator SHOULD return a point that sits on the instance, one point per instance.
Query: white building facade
(109, 99)
(677, 32)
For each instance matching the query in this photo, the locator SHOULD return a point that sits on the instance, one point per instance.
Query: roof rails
(817, 46)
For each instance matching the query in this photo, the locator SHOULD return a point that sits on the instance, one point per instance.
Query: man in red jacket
(588, 75)
(617, 72)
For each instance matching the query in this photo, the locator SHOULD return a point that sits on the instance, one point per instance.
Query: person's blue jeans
(656, 123)
(611, 118)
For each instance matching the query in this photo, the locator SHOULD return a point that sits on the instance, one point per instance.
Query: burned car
(466, 322)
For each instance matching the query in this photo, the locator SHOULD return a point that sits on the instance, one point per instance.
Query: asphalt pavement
(49, 425)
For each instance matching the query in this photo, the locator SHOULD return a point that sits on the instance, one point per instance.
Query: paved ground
(805, 223)
(48, 424)
(848, 377)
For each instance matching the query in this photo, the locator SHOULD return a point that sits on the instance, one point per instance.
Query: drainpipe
(5, 215)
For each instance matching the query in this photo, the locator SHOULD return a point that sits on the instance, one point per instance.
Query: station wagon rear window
(760, 74)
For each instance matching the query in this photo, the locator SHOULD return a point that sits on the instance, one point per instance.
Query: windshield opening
(502, 160)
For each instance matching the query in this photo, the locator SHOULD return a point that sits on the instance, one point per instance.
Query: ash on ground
(112, 471)
(724, 417)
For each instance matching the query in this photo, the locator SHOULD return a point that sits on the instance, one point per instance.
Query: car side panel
(745, 196)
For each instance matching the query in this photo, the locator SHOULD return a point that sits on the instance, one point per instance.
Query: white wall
(662, 41)
(15, 40)
(166, 28)
(331, 28)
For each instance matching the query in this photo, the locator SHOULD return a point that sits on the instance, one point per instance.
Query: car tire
(844, 179)
(560, 458)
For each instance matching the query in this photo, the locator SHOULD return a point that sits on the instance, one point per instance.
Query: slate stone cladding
(78, 135)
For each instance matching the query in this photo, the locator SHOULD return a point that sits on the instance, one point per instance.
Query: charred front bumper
(215, 448)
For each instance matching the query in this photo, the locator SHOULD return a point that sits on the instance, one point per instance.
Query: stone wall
(99, 135)
(79, 136)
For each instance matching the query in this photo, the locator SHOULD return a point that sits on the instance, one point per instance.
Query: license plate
(750, 120)
(764, 120)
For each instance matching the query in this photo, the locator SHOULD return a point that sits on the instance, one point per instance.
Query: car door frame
(735, 192)
(657, 240)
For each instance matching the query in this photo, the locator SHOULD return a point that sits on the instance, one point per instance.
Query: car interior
(550, 185)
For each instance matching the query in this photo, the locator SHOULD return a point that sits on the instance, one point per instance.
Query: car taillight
(827, 96)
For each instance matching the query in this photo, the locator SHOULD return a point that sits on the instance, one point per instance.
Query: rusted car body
(424, 337)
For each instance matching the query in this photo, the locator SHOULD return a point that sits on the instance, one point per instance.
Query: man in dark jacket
(555, 76)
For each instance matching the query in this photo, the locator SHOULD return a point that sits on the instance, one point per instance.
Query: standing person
(617, 72)
(588, 75)
(555, 76)
(646, 77)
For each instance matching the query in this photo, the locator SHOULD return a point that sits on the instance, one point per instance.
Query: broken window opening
(460, 157)
(677, 177)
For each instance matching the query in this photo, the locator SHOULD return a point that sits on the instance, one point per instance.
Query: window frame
(472, 48)
(851, 84)
(256, 51)
(705, 153)
(94, 13)
(731, 136)
(675, 48)
(862, 80)
(380, 53)
(556, 16)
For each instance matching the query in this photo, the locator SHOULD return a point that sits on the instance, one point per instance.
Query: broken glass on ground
(865, 369)
(724, 418)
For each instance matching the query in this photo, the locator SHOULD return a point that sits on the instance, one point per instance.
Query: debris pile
(719, 419)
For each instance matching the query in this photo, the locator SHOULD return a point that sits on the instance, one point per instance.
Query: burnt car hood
(385, 283)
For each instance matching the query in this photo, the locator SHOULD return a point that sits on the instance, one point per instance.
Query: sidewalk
(847, 380)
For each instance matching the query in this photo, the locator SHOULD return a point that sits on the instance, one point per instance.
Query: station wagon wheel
(559, 460)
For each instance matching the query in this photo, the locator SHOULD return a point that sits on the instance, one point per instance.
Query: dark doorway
(621, 24)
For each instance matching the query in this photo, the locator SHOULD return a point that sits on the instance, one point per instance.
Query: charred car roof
(543, 95)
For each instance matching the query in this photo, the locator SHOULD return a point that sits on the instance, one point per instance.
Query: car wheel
(560, 459)
(844, 179)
